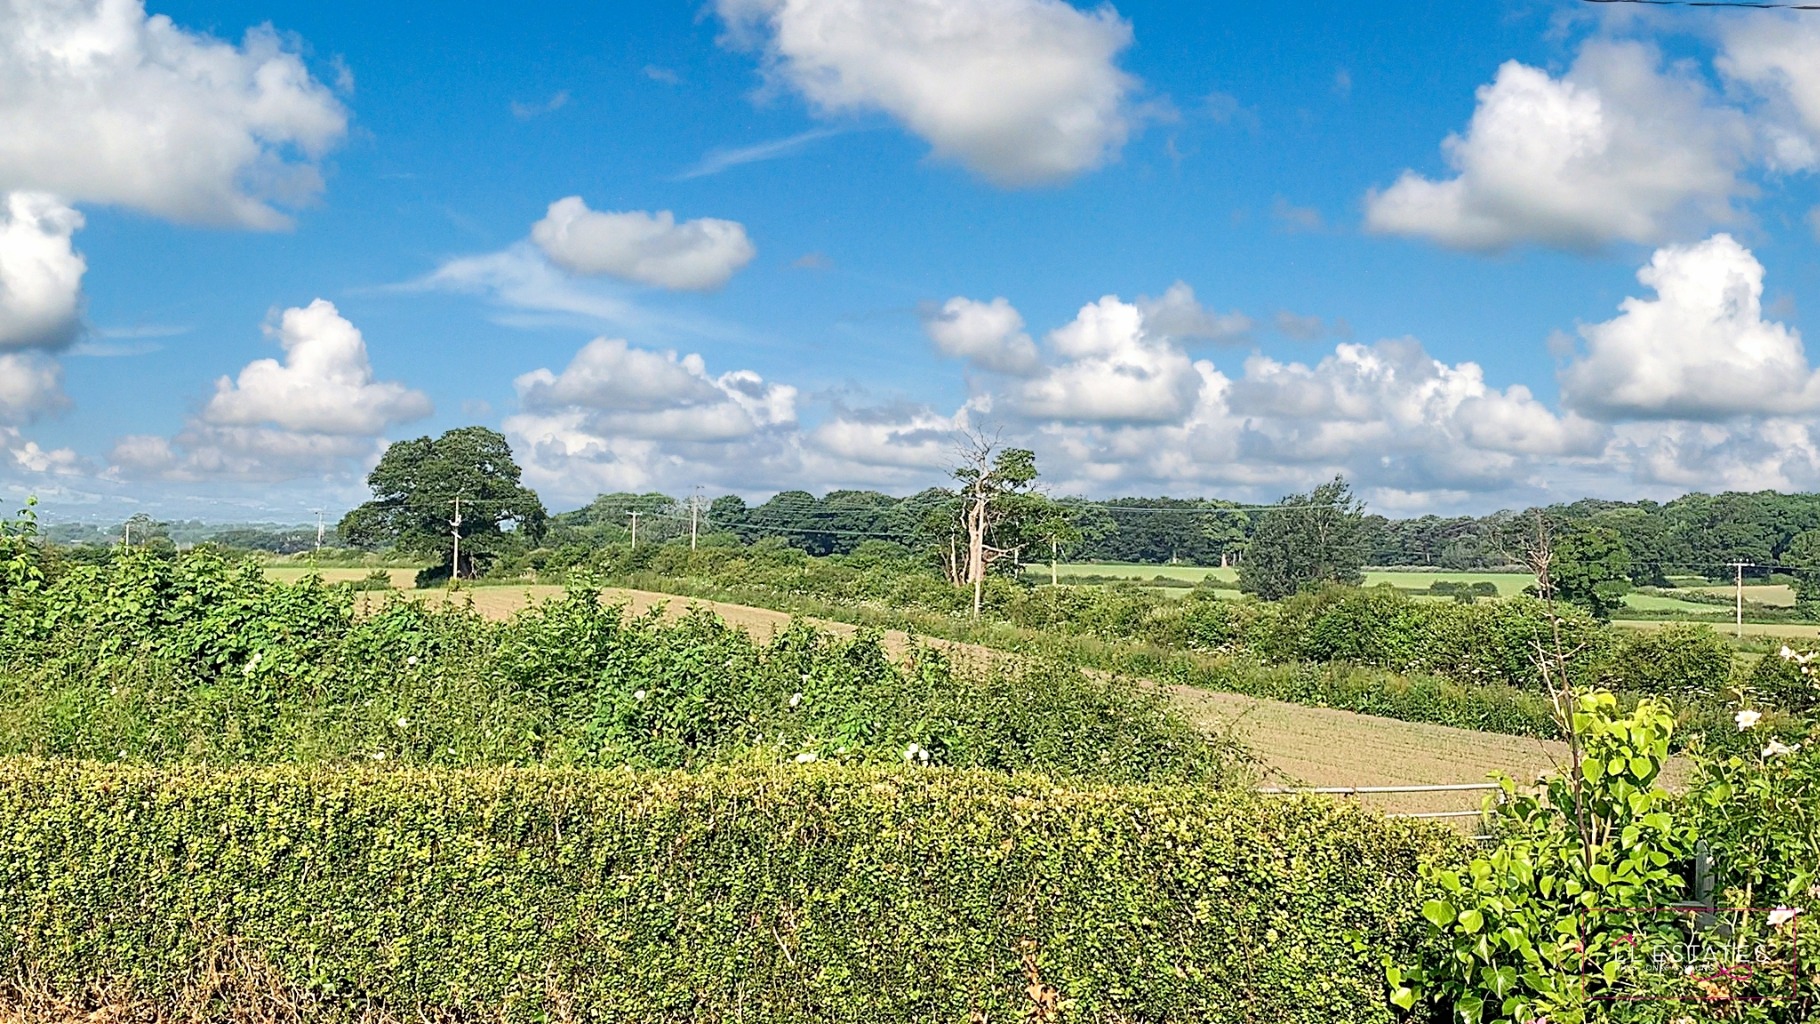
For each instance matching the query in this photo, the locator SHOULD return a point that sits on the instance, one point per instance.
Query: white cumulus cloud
(1775, 56)
(324, 385)
(1019, 91)
(31, 385)
(40, 272)
(695, 255)
(1178, 314)
(1699, 350)
(314, 412)
(102, 103)
(1110, 367)
(1617, 149)
(621, 417)
(990, 335)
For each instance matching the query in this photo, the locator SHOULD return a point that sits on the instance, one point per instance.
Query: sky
(1469, 255)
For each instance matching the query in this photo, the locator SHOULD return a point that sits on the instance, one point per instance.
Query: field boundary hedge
(779, 895)
(1690, 665)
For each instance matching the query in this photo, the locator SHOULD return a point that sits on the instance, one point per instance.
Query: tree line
(422, 485)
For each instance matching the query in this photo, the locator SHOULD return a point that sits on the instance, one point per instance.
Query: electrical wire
(1712, 3)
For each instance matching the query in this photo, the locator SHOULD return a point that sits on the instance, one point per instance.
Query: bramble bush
(200, 659)
(1378, 626)
(1522, 934)
(776, 894)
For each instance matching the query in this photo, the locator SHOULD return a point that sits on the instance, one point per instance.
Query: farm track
(1297, 745)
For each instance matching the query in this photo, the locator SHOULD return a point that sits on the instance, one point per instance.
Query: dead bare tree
(1552, 657)
(990, 476)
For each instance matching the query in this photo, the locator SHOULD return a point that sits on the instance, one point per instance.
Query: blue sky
(758, 244)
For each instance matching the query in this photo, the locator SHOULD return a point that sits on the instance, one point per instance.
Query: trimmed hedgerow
(764, 895)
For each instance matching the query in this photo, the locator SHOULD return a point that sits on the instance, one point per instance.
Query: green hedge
(1485, 642)
(781, 894)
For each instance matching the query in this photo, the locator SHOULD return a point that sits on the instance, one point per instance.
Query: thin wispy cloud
(141, 331)
(530, 293)
(526, 111)
(718, 160)
(114, 349)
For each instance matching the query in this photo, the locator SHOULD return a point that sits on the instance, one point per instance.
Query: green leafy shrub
(1778, 680)
(198, 659)
(1526, 933)
(759, 895)
(1675, 661)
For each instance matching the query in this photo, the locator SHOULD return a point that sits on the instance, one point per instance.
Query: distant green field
(1192, 573)
(1508, 583)
(1659, 603)
(1795, 630)
(1780, 595)
(401, 578)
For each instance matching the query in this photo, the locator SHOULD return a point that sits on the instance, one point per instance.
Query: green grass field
(1660, 603)
(1774, 630)
(1508, 583)
(401, 578)
(1191, 573)
(1779, 596)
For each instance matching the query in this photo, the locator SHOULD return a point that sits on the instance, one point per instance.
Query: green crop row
(760, 895)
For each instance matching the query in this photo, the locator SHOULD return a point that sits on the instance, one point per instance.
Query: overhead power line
(1712, 3)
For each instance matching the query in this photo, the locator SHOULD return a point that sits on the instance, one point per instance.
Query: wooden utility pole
(1740, 567)
(1053, 546)
(455, 532)
(634, 515)
(694, 509)
(976, 543)
(318, 534)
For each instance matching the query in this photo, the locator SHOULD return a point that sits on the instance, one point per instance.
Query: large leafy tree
(1803, 556)
(1305, 541)
(1590, 568)
(415, 490)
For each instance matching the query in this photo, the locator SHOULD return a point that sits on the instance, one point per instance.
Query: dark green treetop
(415, 487)
(1305, 541)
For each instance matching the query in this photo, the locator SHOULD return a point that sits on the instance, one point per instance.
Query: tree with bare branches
(996, 489)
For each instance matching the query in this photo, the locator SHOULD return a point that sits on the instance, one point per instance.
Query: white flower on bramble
(378, 755)
(1777, 748)
(1747, 719)
(253, 664)
(639, 695)
(403, 722)
(796, 699)
(1781, 916)
(806, 757)
(411, 662)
